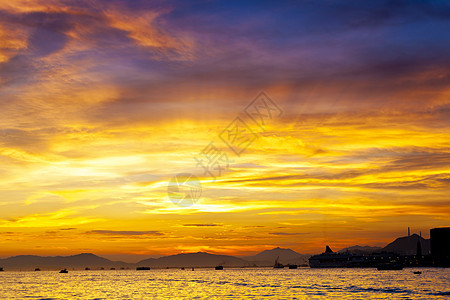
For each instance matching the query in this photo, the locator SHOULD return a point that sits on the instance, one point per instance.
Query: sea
(230, 283)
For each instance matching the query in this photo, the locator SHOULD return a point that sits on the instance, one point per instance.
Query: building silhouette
(440, 246)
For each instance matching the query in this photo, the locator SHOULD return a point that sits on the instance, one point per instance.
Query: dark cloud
(254, 226)
(283, 233)
(201, 225)
(125, 232)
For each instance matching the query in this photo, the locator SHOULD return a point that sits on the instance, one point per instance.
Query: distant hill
(408, 245)
(199, 259)
(360, 249)
(79, 261)
(286, 256)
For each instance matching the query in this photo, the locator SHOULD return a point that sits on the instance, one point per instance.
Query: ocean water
(257, 283)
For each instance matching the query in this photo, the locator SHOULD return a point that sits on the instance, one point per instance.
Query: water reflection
(230, 283)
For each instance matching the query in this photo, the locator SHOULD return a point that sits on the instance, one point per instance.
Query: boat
(64, 271)
(87, 269)
(292, 267)
(143, 268)
(277, 264)
(37, 269)
(417, 272)
(219, 268)
(330, 259)
(182, 268)
(1, 270)
(389, 266)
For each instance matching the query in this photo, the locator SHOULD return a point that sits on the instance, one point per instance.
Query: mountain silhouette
(57, 262)
(360, 249)
(286, 256)
(199, 259)
(408, 245)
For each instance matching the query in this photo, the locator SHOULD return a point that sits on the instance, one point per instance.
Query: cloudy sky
(103, 102)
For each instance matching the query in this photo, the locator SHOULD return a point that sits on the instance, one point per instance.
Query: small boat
(390, 266)
(417, 272)
(143, 268)
(64, 271)
(292, 267)
(87, 269)
(277, 264)
(219, 267)
(182, 268)
(1, 270)
(37, 269)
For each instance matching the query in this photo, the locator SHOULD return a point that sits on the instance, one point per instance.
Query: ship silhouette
(277, 264)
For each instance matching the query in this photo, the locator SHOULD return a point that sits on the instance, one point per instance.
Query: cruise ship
(330, 259)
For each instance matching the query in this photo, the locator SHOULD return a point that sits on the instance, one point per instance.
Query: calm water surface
(304, 283)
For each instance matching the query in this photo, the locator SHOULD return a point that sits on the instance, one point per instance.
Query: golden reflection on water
(302, 283)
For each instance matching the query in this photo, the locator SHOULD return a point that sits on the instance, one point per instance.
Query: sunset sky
(103, 102)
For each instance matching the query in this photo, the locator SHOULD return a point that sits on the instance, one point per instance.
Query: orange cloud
(12, 41)
(147, 32)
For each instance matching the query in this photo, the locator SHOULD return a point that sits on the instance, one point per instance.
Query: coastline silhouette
(407, 251)
(412, 250)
